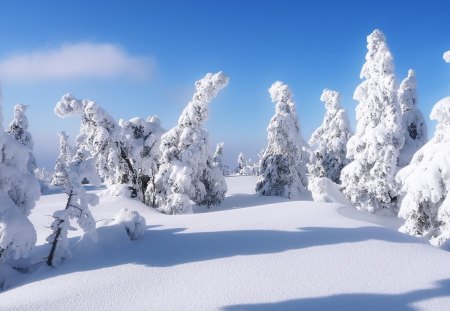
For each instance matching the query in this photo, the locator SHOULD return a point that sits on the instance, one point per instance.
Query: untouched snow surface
(251, 253)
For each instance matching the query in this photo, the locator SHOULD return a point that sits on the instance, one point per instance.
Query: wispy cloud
(447, 56)
(72, 61)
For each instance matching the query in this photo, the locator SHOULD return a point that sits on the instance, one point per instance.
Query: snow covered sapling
(65, 154)
(242, 163)
(283, 164)
(77, 206)
(329, 141)
(186, 169)
(19, 190)
(413, 121)
(19, 130)
(369, 180)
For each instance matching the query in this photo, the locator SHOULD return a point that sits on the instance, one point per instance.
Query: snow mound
(133, 223)
(324, 190)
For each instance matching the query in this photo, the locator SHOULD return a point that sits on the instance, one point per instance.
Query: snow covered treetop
(282, 95)
(206, 89)
(446, 58)
(331, 99)
(441, 111)
(379, 59)
(406, 92)
(69, 106)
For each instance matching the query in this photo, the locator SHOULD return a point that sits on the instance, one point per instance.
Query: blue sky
(143, 58)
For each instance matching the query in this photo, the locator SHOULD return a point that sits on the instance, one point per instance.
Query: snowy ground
(252, 253)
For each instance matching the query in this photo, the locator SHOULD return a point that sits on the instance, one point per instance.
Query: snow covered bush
(283, 164)
(329, 141)
(19, 190)
(426, 183)
(18, 128)
(413, 121)
(133, 223)
(187, 171)
(369, 179)
(81, 166)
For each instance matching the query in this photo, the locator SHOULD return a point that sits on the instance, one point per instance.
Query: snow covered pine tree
(283, 164)
(426, 182)
(19, 191)
(413, 121)
(242, 163)
(368, 180)
(186, 169)
(65, 154)
(19, 130)
(329, 141)
(77, 207)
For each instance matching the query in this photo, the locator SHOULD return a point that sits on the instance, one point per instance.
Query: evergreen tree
(19, 130)
(186, 169)
(283, 164)
(369, 180)
(242, 163)
(77, 207)
(426, 182)
(65, 154)
(329, 141)
(218, 157)
(413, 121)
(19, 190)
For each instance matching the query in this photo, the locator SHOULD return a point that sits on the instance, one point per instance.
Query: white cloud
(79, 60)
(447, 56)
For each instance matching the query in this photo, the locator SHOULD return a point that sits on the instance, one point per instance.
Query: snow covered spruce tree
(413, 121)
(19, 191)
(329, 141)
(426, 183)
(81, 166)
(218, 158)
(65, 154)
(186, 169)
(369, 180)
(19, 130)
(242, 163)
(283, 164)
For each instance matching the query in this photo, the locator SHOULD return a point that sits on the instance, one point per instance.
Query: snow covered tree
(413, 121)
(19, 190)
(186, 169)
(218, 157)
(369, 179)
(19, 130)
(65, 154)
(123, 153)
(81, 166)
(242, 162)
(329, 141)
(283, 164)
(426, 183)
(141, 140)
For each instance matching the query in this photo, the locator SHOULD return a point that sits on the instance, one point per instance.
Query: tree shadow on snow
(171, 247)
(357, 301)
(244, 200)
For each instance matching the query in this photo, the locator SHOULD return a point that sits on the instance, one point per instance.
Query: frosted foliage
(141, 140)
(77, 207)
(19, 190)
(218, 157)
(329, 141)
(186, 169)
(242, 162)
(369, 179)
(99, 134)
(282, 169)
(133, 223)
(413, 121)
(65, 154)
(19, 130)
(426, 182)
